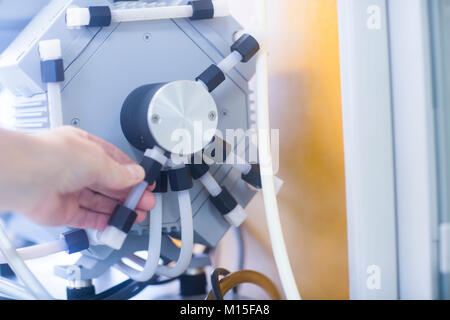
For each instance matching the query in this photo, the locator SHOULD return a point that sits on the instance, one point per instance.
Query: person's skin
(66, 177)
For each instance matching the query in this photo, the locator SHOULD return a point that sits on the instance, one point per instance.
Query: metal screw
(75, 122)
(212, 116)
(147, 37)
(156, 119)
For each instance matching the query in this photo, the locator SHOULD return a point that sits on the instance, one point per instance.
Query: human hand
(68, 177)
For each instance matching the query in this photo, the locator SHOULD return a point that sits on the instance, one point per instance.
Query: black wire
(128, 289)
(215, 284)
(105, 294)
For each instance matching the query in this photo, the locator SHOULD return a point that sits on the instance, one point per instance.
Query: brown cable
(247, 276)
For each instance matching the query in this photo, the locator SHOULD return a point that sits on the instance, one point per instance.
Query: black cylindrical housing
(133, 117)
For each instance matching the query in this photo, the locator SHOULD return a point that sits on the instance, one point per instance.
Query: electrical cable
(215, 283)
(267, 176)
(247, 276)
(129, 289)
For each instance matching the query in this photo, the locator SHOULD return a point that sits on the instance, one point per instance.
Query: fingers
(88, 219)
(111, 150)
(79, 159)
(141, 215)
(96, 202)
(116, 176)
(147, 201)
(103, 204)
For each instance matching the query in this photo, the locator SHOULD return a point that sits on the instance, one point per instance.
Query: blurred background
(305, 106)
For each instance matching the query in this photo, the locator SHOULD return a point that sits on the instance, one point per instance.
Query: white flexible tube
(14, 290)
(221, 9)
(135, 195)
(39, 250)
(267, 176)
(227, 64)
(77, 17)
(51, 50)
(20, 268)
(54, 104)
(154, 246)
(187, 238)
(155, 13)
(210, 184)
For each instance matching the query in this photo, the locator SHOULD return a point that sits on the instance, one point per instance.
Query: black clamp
(180, 179)
(52, 71)
(198, 170)
(202, 9)
(122, 218)
(247, 46)
(212, 77)
(80, 293)
(253, 177)
(224, 202)
(161, 183)
(100, 16)
(152, 169)
(193, 285)
(76, 240)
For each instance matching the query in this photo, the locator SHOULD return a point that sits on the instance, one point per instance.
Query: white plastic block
(236, 217)
(77, 17)
(50, 49)
(113, 237)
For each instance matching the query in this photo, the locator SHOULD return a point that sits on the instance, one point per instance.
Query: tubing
(39, 250)
(135, 195)
(247, 276)
(227, 64)
(154, 246)
(14, 290)
(267, 177)
(155, 13)
(187, 238)
(211, 184)
(20, 269)
(168, 12)
(54, 104)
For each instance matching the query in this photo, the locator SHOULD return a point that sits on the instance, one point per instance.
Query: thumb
(116, 176)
